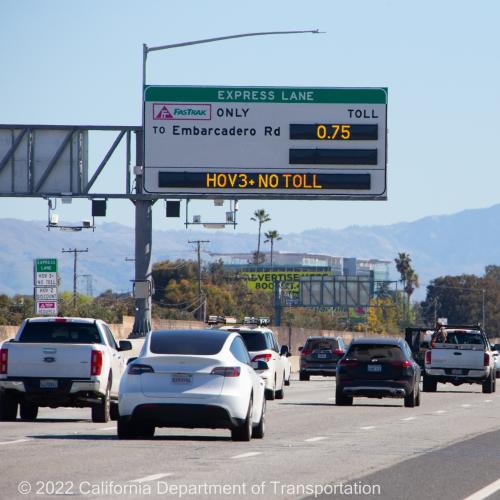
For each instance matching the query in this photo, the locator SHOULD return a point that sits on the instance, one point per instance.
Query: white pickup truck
(464, 357)
(56, 362)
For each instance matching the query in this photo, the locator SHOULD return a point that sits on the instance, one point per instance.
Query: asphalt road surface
(448, 448)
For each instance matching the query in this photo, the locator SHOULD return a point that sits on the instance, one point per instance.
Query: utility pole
(198, 249)
(75, 253)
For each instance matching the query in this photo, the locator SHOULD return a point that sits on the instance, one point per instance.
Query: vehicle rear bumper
(325, 371)
(444, 375)
(378, 389)
(184, 415)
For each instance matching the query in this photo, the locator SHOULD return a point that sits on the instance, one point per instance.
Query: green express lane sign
(266, 142)
(46, 265)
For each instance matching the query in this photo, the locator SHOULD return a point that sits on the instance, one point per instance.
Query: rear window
(255, 341)
(199, 343)
(60, 333)
(464, 338)
(369, 352)
(321, 344)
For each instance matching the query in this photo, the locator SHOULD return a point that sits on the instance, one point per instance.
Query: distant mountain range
(464, 242)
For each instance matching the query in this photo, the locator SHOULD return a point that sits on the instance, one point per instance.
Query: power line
(198, 246)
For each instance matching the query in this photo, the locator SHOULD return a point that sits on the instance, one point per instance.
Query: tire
(411, 399)
(497, 375)
(287, 382)
(271, 393)
(146, 431)
(417, 400)
(28, 411)
(304, 376)
(341, 399)
(244, 433)
(8, 408)
(114, 414)
(101, 412)
(281, 393)
(126, 429)
(260, 429)
(429, 385)
(489, 385)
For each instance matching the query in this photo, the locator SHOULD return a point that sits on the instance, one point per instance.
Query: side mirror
(284, 350)
(130, 360)
(125, 345)
(260, 365)
(300, 348)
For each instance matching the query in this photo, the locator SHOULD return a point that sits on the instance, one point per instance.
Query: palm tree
(411, 283)
(261, 217)
(271, 236)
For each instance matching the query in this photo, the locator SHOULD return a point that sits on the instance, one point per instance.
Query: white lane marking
(107, 428)
(440, 412)
(487, 401)
(368, 428)
(150, 478)
(16, 441)
(486, 491)
(466, 406)
(249, 454)
(314, 439)
(407, 419)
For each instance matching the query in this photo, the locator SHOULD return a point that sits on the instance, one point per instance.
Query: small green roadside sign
(46, 265)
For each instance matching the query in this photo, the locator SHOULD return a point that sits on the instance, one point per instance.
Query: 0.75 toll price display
(334, 132)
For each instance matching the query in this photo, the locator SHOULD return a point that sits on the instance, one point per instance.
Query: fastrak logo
(171, 111)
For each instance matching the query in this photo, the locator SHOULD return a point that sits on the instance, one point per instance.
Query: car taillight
(61, 320)
(338, 352)
(227, 371)
(138, 369)
(264, 357)
(486, 359)
(428, 357)
(351, 363)
(96, 363)
(305, 352)
(4, 361)
(401, 364)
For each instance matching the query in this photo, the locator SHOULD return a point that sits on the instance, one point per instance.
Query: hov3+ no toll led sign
(266, 142)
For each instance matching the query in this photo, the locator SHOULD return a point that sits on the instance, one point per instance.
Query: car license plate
(375, 368)
(48, 384)
(321, 356)
(182, 378)
(456, 372)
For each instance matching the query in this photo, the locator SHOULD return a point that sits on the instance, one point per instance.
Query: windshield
(464, 338)
(61, 333)
(321, 344)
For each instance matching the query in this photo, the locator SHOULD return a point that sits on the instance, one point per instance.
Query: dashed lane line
(249, 454)
(367, 428)
(314, 439)
(15, 441)
(485, 492)
(408, 419)
(153, 477)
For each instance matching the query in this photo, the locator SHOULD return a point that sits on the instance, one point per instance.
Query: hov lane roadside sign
(265, 142)
(46, 307)
(46, 293)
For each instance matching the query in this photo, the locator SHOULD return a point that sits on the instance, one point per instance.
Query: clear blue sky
(66, 62)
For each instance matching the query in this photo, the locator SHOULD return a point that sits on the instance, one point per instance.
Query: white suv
(263, 346)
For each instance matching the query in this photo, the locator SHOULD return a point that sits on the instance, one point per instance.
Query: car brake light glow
(4, 361)
(486, 359)
(138, 369)
(428, 357)
(264, 357)
(306, 352)
(401, 364)
(338, 352)
(61, 320)
(96, 363)
(227, 371)
(351, 363)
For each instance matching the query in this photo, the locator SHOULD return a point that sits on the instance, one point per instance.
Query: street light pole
(143, 208)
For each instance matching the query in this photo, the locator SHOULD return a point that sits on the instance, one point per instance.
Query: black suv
(319, 356)
(378, 368)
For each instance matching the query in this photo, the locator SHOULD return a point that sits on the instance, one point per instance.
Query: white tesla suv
(192, 379)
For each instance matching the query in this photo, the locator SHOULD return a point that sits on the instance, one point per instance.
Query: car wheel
(146, 431)
(28, 411)
(287, 381)
(281, 393)
(260, 429)
(114, 413)
(429, 385)
(341, 399)
(411, 399)
(489, 385)
(8, 408)
(417, 400)
(126, 429)
(304, 376)
(101, 412)
(244, 433)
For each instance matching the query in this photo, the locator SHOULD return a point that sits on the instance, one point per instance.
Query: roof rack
(254, 320)
(214, 319)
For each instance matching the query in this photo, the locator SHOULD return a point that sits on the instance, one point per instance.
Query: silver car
(496, 358)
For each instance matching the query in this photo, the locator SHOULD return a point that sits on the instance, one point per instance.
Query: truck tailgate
(458, 358)
(49, 360)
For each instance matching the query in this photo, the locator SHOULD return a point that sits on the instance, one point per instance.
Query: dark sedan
(378, 368)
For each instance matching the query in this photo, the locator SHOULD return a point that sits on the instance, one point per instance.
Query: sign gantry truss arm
(53, 160)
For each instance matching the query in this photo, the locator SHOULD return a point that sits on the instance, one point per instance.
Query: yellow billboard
(264, 280)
